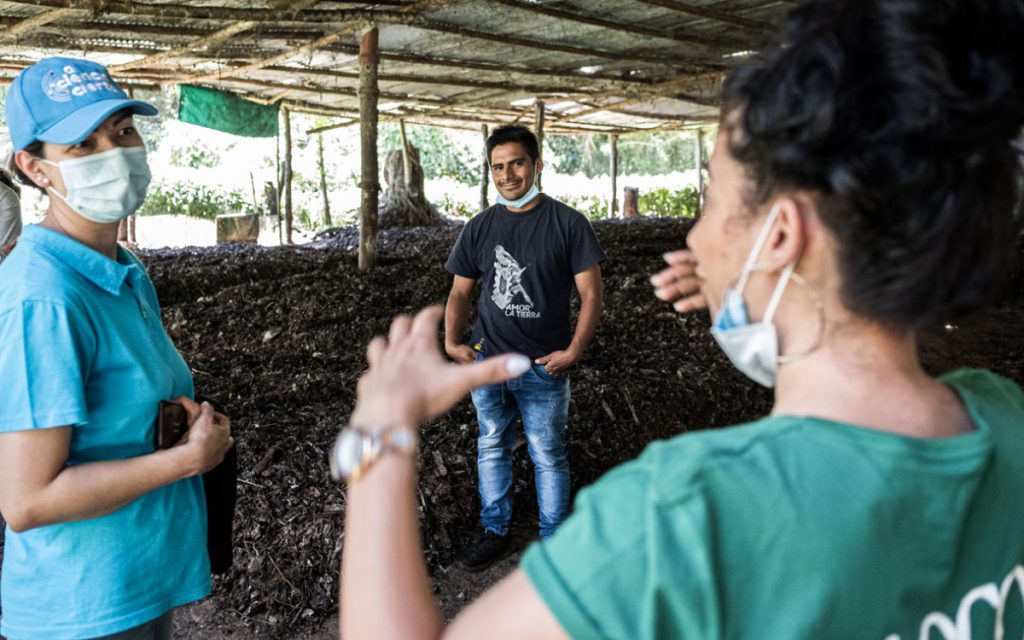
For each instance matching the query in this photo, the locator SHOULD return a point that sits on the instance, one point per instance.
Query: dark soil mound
(277, 335)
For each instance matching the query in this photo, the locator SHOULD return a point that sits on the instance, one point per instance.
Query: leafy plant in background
(442, 155)
(197, 201)
(666, 203)
(194, 156)
(456, 208)
(593, 207)
(654, 154)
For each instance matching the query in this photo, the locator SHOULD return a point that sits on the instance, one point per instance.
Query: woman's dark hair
(900, 117)
(514, 133)
(34, 149)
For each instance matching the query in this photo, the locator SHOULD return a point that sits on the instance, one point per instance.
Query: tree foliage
(654, 154)
(443, 155)
(195, 200)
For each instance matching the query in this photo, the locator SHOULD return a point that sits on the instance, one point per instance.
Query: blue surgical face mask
(105, 187)
(521, 202)
(752, 348)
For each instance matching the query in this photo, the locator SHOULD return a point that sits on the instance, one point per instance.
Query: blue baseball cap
(63, 100)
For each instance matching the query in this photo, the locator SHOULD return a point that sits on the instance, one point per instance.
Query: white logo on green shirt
(960, 629)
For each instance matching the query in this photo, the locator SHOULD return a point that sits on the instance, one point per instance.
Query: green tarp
(227, 112)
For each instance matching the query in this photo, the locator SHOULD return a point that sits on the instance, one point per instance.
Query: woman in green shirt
(861, 189)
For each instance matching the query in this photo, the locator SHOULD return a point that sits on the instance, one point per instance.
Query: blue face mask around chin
(521, 202)
(752, 348)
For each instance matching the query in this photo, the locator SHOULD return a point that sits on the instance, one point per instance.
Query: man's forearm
(586, 325)
(456, 314)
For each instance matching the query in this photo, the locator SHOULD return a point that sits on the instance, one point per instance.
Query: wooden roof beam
(330, 91)
(611, 24)
(430, 80)
(191, 12)
(229, 72)
(212, 39)
(493, 67)
(348, 29)
(666, 88)
(196, 45)
(713, 14)
(29, 24)
(598, 109)
(585, 52)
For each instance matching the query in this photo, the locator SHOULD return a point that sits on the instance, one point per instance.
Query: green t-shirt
(796, 527)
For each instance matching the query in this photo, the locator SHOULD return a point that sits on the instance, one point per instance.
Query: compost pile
(277, 335)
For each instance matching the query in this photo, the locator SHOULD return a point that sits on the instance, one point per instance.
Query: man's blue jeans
(543, 402)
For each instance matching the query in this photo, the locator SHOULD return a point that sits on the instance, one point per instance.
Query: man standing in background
(529, 251)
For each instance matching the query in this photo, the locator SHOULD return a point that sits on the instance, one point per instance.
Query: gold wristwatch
(356, 450)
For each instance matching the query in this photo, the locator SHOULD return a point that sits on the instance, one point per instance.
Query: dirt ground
(277, 335)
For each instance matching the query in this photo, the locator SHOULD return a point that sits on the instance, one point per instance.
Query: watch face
(347, 454)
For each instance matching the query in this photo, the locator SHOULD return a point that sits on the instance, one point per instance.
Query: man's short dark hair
(514, 133)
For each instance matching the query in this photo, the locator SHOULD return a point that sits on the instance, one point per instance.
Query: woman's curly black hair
(900, 117)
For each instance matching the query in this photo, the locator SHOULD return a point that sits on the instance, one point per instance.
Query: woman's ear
(32, 167)
(786, 239)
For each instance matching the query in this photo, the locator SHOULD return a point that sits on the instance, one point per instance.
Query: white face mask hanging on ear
(754, 348)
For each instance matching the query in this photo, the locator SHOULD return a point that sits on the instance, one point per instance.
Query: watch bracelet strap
(398, 439)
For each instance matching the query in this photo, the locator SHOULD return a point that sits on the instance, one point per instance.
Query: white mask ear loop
(819, 308)
(755, 251)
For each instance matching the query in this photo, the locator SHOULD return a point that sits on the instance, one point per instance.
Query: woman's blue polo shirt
(82, 344)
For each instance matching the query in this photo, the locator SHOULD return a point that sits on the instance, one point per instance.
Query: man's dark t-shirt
(526, 263)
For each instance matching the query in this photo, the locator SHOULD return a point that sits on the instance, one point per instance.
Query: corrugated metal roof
(599, 65)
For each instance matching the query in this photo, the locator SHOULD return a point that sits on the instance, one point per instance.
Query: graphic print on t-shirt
(508, 283)
(995, 596)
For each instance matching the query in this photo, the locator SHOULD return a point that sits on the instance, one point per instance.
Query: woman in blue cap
(105, 534)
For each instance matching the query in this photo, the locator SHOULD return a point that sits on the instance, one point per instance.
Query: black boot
(485, 549)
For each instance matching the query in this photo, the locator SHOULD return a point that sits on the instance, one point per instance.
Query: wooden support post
(369, 93)
(538, 130)
(279, 188)
(287, 175)
(699, 158)
(613, 204)
(406, 156)
(486, 182)
(323, 179)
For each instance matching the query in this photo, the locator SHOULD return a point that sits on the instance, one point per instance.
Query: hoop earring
(819, 309)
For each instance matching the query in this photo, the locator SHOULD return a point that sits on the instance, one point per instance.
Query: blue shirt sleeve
(44, 356)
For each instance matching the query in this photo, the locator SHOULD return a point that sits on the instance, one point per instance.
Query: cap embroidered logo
(73, 82)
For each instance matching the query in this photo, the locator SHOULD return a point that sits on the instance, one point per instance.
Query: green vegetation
(198, 201)
(654, 154)
(665, 203)
(194, 156)
(662, 203)
(443, 155)
(593, 207)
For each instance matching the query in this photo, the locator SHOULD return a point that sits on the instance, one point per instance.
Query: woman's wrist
(378, 416)
(180, 462)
